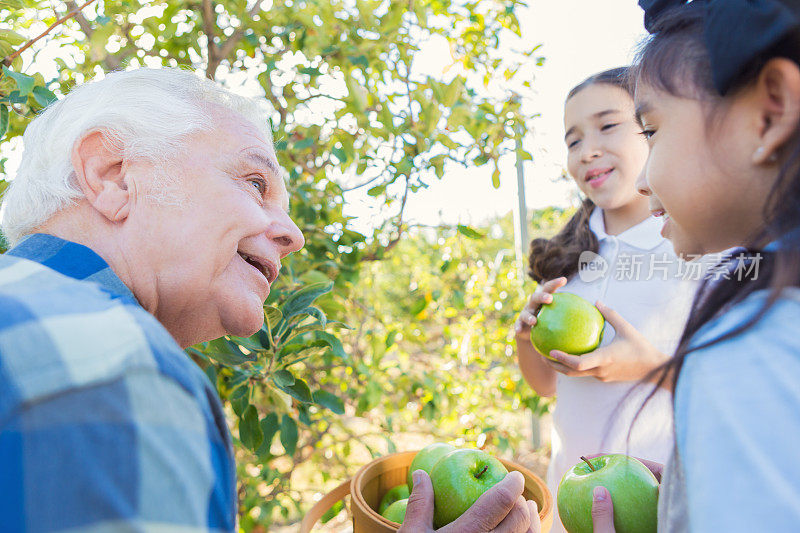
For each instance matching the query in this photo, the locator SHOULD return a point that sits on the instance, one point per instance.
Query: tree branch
(86, 27)
(374, 256)
(230, 43)
(7, 61)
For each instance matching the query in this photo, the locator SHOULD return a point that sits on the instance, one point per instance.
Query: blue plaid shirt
(105, 423)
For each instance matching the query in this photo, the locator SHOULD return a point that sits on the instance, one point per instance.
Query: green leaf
(283, 378)
(289, 434)
(43, 96)
(340, 155)
(248, 343)
(418, 306)
(272, 315)
(469, 232)
(302, 144)
(250, 432)
(359, 61)
(269, 427)
(311, 71)
(298, 390)
(377, 190)
(229, 359)
(3, 120)
(334, 343)
(390, 337)
(24, 82)
(301, 299)
(317, 313)
(331, 513)
(16, 98)
(240, 400)
(329, 400)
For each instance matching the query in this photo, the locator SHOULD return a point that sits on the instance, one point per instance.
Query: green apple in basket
(569, 324)
(633, 489)
(396, 512)
(400, 492)
(459, 478)
(426, 458)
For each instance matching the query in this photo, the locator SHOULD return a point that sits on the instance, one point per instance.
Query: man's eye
(259, 184)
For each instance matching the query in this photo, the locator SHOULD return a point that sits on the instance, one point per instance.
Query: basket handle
(322, 506)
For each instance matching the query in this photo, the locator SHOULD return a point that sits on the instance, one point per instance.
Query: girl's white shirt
(637, 274)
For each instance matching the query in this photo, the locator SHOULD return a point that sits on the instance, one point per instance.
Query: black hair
(675, 60)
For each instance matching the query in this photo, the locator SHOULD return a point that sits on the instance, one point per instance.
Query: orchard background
(372, 342)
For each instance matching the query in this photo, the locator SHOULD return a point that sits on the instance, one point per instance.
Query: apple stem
(479, 474)
(588, 463)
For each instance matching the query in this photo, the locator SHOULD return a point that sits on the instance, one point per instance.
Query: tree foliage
(307, 396)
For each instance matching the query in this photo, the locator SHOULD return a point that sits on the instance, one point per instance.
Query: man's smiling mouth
(267, 269)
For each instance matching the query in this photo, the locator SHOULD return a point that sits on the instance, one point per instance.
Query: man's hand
(501, 509)
(630, 356)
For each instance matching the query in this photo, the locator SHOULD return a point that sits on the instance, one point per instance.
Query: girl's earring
(759, 153)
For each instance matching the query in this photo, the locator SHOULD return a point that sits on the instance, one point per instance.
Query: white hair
(145, 113)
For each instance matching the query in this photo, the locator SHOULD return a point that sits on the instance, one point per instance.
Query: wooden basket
(374, 479)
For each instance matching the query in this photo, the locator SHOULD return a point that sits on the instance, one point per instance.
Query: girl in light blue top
(718, 98)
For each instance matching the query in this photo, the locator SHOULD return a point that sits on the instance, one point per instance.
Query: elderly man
(148, 214)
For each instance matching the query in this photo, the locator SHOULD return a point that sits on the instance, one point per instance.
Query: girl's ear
(778, 100)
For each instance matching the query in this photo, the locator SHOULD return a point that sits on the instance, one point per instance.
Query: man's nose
(285, 233)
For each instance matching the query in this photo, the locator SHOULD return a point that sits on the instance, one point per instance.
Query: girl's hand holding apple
(630, 356)
(527, 317)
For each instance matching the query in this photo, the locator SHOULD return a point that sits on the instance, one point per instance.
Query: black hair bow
(736, 31)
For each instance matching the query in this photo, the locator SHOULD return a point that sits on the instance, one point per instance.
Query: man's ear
(100, 174)
(778, 100)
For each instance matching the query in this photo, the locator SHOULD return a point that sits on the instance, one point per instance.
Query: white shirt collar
(645, 235)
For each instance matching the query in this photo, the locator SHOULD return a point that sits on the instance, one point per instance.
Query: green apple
(426, 458)
(633, 489)
(569, 324)
(400, 492)
(459, 478)
(397, 511)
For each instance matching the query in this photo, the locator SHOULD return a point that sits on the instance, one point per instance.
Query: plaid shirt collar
(73, 260)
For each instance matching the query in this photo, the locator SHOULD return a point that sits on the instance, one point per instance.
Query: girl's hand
(602, 506)
(628, 357)
(527, 317)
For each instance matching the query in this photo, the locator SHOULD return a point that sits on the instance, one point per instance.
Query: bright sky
(579, 38)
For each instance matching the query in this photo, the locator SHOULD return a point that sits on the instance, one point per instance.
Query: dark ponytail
(556, 257)
(553, 258)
